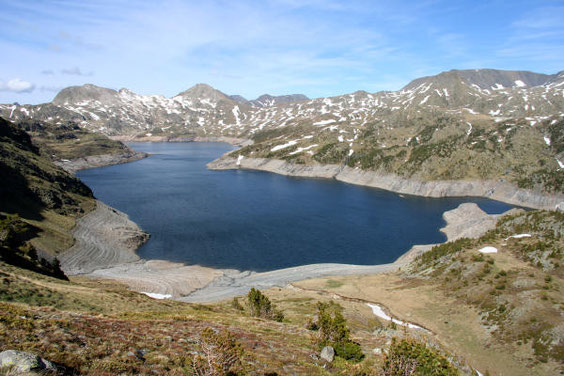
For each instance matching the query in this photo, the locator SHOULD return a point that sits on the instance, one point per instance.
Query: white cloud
(75, 71)
(17, 85)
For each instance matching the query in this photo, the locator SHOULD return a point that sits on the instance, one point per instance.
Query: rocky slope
(458, 125)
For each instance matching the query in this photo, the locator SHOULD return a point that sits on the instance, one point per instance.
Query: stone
(20, 361)
(328, 353)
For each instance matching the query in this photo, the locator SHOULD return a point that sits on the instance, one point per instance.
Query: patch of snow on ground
(519, 236)
(471, 111)
(324, 122)
(469, 129)
(520, 83)
(379, 312)
(488, 250)
(236, 114)
(547, 140)
(156, 296)
(498, 86)
(94, 116)
(341, 139)
(299, 150)
(210, 103)
(239, 159)
(560, 163)
(283, 146)
(424, 100)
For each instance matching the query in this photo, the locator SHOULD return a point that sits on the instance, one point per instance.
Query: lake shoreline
(107, 241)
(95, 255)
(490, 189)
(94, 161)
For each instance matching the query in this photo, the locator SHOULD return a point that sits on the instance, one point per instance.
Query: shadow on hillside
(16, 197)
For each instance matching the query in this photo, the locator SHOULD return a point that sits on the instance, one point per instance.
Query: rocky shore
(105, 237)
(106, 241)
(94, 161)
(495, 190)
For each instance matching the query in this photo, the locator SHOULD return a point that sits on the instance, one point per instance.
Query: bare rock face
(104, 237)
(328, 354)
(24, 362)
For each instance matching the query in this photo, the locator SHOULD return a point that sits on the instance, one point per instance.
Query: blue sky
(318, 48)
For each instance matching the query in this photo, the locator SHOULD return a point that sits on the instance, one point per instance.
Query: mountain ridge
(460, 124)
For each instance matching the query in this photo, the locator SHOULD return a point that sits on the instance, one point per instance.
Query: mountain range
(455, 125)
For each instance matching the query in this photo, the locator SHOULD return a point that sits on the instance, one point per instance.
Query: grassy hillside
(68, 140)
(502, 311)
(430, 145)
(37, 198)
(100, 328)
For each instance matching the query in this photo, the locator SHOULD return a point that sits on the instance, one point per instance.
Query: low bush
(408, 357)
(260, 306)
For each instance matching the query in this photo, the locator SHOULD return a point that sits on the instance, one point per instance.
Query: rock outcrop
(19, 362)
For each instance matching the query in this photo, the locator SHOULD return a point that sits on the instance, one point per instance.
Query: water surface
(252, 220)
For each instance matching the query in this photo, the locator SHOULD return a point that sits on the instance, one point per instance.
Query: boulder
(328, 353)
(20, 361)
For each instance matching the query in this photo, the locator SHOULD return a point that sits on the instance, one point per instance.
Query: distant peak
(202, 90)
(73, 94)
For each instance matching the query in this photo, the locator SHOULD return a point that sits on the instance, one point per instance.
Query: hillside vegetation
(68, 140)
(39, 201)
(504, 311)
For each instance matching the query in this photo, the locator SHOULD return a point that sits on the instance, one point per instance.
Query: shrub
(349, 351)
(260, 306)
(408, 357)
(332, 325)
(333, 331)
(221, 355)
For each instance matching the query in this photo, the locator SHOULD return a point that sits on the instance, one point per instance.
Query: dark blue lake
(251, 220)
